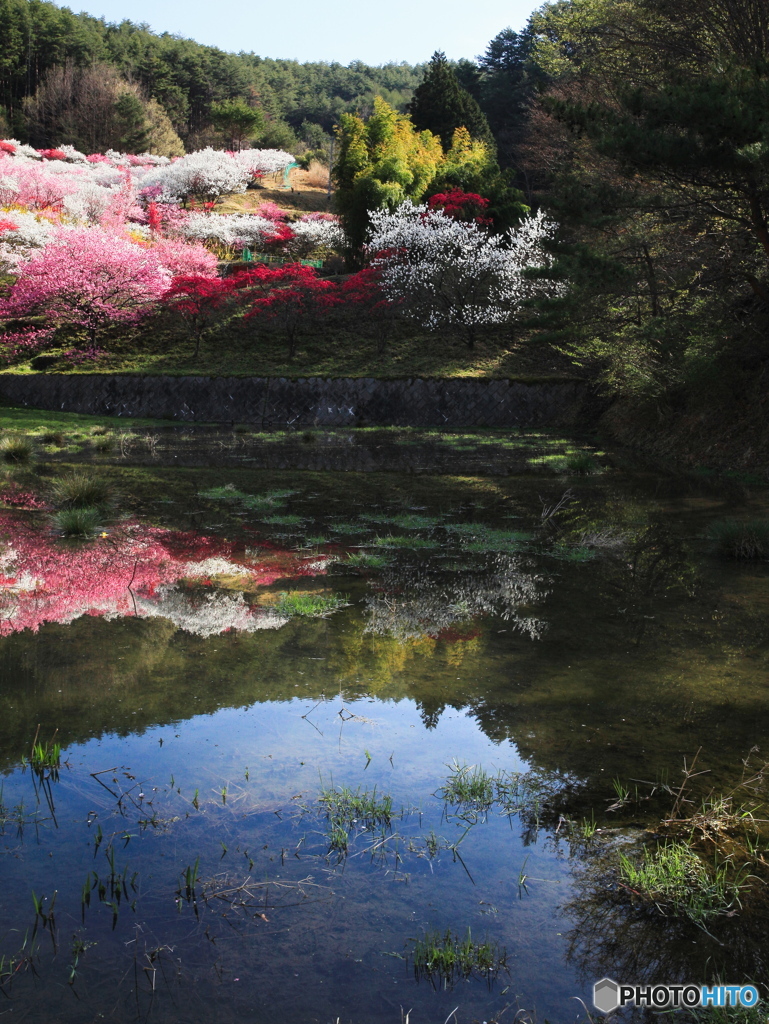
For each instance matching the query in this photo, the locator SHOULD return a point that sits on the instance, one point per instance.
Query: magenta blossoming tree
(89, 279)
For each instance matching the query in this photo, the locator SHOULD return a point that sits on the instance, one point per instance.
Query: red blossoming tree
(292, 299)
(464, 206)
(200, 301)
(363, 295)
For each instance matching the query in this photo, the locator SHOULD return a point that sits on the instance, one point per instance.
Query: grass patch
(581, 463)
(444, 958)
(315, 542)
(257, 502)
(53, 437)
(748, 539)
(307, 605)
(16, 450)
(478, 537)
(569, 553)
(81, 490)
(348, 528)
(758, 1014)
(103, 443)
(49, 426)
(287, 520)
(675, 882)
(364, 560)
(404, 542)
(358, 807)
(77, 522)
(345, 810)
(468, 784)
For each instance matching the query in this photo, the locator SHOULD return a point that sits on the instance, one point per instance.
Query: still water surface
(185, 838)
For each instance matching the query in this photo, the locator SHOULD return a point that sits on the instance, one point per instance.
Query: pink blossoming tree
(89, 279)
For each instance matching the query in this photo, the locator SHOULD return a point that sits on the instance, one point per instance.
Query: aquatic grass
(413, 521)
(17, 450)
(580, 463)
(345, 807)
(468, 784)
(576, 553)
(12, 967)
(77, 522)
(391, 541)
(363, 560)
(442, 958)
(308, 604)
(743, 539)
(287, 520)
(348, 528)
(256, 502)
(45, 757)
(479, 537)
(315, 542)
(673, 880)
(758, 1014)
(80, 490)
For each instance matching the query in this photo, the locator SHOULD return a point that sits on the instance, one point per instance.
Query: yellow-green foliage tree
(381, 162)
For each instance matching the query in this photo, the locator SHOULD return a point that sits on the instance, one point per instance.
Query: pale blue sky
(330, 30)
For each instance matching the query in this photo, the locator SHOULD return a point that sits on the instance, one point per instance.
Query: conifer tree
(440, 105)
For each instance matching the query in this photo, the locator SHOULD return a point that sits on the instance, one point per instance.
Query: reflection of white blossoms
(415, 603)
(209, 613)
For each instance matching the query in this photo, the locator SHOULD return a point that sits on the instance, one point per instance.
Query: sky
(327, 30)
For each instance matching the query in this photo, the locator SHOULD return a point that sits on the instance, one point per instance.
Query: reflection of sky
(135, 571)
(335, 946)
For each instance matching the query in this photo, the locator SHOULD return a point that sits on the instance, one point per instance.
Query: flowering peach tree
(456, 274)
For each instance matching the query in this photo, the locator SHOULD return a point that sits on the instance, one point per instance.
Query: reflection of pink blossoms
(136, 573)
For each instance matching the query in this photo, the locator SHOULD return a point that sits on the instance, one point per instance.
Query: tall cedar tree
(440, 105)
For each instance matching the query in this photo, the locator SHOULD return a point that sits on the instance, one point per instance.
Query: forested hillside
(186, 78)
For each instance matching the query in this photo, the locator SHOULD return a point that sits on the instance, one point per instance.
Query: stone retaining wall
(279, 403)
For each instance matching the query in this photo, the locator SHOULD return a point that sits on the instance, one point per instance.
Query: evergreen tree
(440, 105)
(239, 123)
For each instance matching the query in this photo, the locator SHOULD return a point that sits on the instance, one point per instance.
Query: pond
(311, 722)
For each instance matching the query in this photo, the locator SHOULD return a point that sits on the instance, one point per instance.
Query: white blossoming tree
(455, 275)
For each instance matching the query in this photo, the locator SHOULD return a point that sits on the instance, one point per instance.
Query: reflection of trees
(610, 937)
(135, 572)
(418, 602)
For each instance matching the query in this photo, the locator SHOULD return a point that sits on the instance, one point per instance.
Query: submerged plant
(747, 539)
(444, 958)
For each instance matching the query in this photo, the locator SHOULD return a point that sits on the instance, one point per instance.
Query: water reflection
(138, 570)
(606, 646)
(417, 602)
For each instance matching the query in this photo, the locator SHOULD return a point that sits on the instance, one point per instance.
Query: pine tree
(440, 105)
